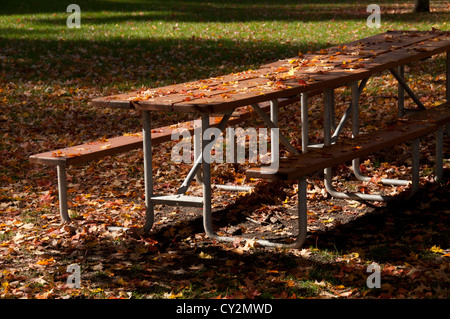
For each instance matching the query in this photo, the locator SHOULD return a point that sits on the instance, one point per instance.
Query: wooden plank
(330, 156)
(97, 149)
(337, 66)
(89, 151)
(417, 125)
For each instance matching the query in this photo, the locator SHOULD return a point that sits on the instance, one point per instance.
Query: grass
(215, 37)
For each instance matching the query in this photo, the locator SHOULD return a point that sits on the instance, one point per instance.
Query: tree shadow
(397, 231)
(139, 60)
(218, 11)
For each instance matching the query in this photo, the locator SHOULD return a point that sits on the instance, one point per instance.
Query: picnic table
(350, 64)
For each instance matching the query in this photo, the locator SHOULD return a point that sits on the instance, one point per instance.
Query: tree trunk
(421, 5)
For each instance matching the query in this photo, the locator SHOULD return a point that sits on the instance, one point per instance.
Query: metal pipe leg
(355, 131)
(328, 95)
(415, 168)
(206, 167)
(302, 221)
(439, 154)
(341, 124)
(348, 111)
(405, 86)
(305, 121)
(355, 108)
(387, 181)
(272, 125)
(302, 214)
(62, 192)
(274, 118)
(195, 171)
(447, 78)
(333, 111)
(371, 197)
(148, 173)
(401, 93)
(198, 149)
(356, 196)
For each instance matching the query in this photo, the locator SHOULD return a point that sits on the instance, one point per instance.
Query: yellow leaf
(173, 296)
(436, 249)
(203, 255)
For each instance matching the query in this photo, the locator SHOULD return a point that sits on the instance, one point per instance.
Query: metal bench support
(408, 90)
(305, 121)
(447, 79)
(207, 207)
(62, 192)
(148, 167)
(355, 91)
(272, 125)
(373, 197)
(439, 169)
(401, 93)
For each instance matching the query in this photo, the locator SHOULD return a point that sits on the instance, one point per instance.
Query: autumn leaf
(204, 255)
(45, 262)
(47, 198)
(436, 249)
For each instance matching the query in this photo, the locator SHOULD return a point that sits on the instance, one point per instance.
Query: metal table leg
(447, 77)
(207, 194)
(206, 167)
(305, 121)
(401, 93)
(439, 169)
(148, 174)
(62, 192)
(272, 125)
(197, 150)
(274, 111)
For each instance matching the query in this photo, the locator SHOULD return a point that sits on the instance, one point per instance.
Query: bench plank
(79, 154)
(419, 124)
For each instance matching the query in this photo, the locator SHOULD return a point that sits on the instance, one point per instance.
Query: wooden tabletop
(328, 68)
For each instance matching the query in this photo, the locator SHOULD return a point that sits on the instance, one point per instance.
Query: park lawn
(48, 75)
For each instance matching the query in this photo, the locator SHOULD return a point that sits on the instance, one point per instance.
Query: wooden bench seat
(81, 154)
(298, 167)
(410, 128)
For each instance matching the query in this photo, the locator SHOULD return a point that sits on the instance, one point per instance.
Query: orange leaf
(45, 262)
(302, 82)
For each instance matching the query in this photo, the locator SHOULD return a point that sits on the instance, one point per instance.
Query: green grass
(175, 41)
